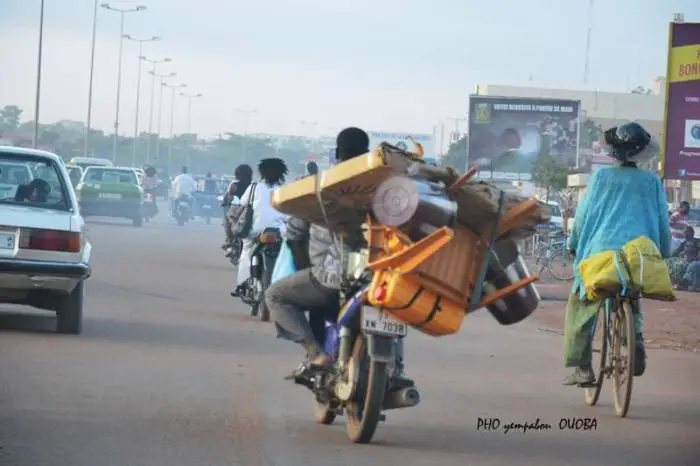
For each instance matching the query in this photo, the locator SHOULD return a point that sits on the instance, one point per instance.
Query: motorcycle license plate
(374, 321)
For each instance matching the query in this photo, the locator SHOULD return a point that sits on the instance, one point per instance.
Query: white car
(44, 248)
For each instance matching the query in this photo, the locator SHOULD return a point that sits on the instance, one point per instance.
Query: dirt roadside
(673, 325)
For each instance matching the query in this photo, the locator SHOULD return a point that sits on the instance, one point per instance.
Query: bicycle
(549, 251)
(617, 314)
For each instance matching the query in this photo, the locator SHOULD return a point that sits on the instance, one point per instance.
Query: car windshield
(110, 175)
(31, 180)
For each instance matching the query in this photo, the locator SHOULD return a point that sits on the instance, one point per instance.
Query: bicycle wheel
(560, 265)
(600, 353)
(623, 339)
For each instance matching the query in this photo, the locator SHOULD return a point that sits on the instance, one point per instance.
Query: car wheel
(69, 315)
(138, 221)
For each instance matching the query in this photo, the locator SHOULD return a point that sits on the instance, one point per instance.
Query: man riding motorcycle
(317, 287)
(183, 187)
(210, 185)
(272, 174)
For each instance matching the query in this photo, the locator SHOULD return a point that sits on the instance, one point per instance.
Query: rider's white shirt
(184, 184)
(264, 215)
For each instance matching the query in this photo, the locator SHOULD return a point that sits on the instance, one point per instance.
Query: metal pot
(507, 266)
(415, 206)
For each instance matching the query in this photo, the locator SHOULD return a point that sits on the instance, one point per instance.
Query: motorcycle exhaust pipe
(404, 398)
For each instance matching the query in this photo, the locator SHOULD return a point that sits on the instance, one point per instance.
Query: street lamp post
(189, 98)
(163, 78)
(86, 142)
(122, 12)
(37, 98)
(173, 89)
(154, 64)
(138, 90)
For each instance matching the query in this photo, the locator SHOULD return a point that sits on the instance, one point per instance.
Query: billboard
(508, 135)
(402, 141)
(681, 146)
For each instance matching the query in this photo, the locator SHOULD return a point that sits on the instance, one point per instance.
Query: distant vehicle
(85, 162)
(111, 192)
(557, 218)
(44, 249)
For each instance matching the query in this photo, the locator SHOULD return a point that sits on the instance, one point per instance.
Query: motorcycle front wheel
(364, 411)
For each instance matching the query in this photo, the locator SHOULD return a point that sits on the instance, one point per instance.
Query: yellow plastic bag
(604, 273)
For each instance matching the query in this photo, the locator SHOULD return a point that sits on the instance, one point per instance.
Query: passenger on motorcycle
(621, 203)
(272, 173)
(317, 288)
(244, 175)
(183, 186)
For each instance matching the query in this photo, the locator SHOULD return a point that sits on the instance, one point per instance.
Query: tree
(549, 175)
(67, 139)
(10, 118)
(456, 156)
(590, 133)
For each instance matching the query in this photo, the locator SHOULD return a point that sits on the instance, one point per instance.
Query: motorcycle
(183, 209)
(263, 255)
(150, 209)
(380, 283)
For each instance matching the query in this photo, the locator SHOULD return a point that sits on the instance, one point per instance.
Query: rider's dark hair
(350, 143)
(244, 173)
(626, 141)
(272, 171)
(184, 169)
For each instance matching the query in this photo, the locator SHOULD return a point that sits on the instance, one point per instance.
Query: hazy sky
(393, 65)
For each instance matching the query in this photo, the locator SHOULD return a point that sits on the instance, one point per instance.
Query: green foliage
(457, 154)
(549, 175)
(220, 155)
(590, 133)
(10, 118)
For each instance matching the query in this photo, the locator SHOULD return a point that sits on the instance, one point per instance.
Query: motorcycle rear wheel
(364, 411)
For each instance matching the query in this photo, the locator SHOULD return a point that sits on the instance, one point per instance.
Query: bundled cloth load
(426, 276)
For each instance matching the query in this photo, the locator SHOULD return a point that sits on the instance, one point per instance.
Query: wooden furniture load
(430, 283)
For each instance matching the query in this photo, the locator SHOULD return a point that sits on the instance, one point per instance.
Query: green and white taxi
(110, 192)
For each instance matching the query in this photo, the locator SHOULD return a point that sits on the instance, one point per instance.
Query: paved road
(171, 371)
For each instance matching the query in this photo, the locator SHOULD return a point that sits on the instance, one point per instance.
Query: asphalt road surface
(171, 371)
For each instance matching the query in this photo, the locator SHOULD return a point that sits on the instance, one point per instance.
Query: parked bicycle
(614, 344)
(550, 253)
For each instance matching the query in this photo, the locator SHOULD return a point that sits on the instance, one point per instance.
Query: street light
(173, 88)
(86, 142)
(162, 77)
(189, 98)
(138, 89)
(122, 12)
(37, 98)
(155, 64)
